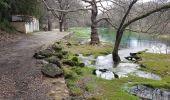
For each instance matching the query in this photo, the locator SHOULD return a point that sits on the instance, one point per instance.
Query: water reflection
(138, 40)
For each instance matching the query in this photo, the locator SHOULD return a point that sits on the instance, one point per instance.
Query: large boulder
(52, 70)
(44, 53)
(54, 60)
(57, 47)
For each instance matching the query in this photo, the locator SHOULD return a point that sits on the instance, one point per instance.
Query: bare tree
(124, 25)
(93, 4)
(60, 9)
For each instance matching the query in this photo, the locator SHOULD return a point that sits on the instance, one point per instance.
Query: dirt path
(20, 79)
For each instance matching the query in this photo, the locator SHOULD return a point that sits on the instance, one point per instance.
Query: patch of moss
(70, 74)
(91, 87)
(76, 91)
(157, 63)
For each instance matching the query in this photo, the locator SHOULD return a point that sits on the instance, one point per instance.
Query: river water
(137, 41)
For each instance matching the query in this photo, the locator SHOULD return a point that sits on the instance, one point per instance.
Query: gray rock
(42, 62)
(57, 47)
(44, 53)
(54, 60)
(52, 70)
(146, 92)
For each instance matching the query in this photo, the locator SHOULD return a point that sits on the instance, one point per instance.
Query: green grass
(81, 32)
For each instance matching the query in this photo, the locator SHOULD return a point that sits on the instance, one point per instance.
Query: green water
(129, 40)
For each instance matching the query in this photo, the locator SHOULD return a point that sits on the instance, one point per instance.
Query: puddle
(122, 70)
(148, 93)
(105, 75)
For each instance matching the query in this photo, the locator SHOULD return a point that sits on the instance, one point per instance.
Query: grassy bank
(82, 82)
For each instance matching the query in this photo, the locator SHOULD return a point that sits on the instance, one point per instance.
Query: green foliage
(21, 7)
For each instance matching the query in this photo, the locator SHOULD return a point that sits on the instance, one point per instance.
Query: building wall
(19, 26)
(25, 27)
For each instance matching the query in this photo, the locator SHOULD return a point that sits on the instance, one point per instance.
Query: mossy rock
(81, 65)
(64, 52)
(59, 55)
(57, 48)
(52, 70)
(68, 44)
(76, 54)
(54, 60)
(38, 56)
(75, 59)
(58, 42)
(44, 53)
(70, 62)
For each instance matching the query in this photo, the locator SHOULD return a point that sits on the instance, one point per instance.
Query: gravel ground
(20, 79)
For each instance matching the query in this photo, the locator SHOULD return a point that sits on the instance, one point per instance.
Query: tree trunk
(115, 54)
(94, 34)
(49, 25)
(61, 25)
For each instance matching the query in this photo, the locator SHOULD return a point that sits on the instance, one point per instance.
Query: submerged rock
(52, 70)
(150, 93)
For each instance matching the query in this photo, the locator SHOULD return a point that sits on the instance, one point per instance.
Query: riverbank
(82, 82)
(80, 73)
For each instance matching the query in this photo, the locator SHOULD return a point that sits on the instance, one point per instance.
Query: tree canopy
(22, 7)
